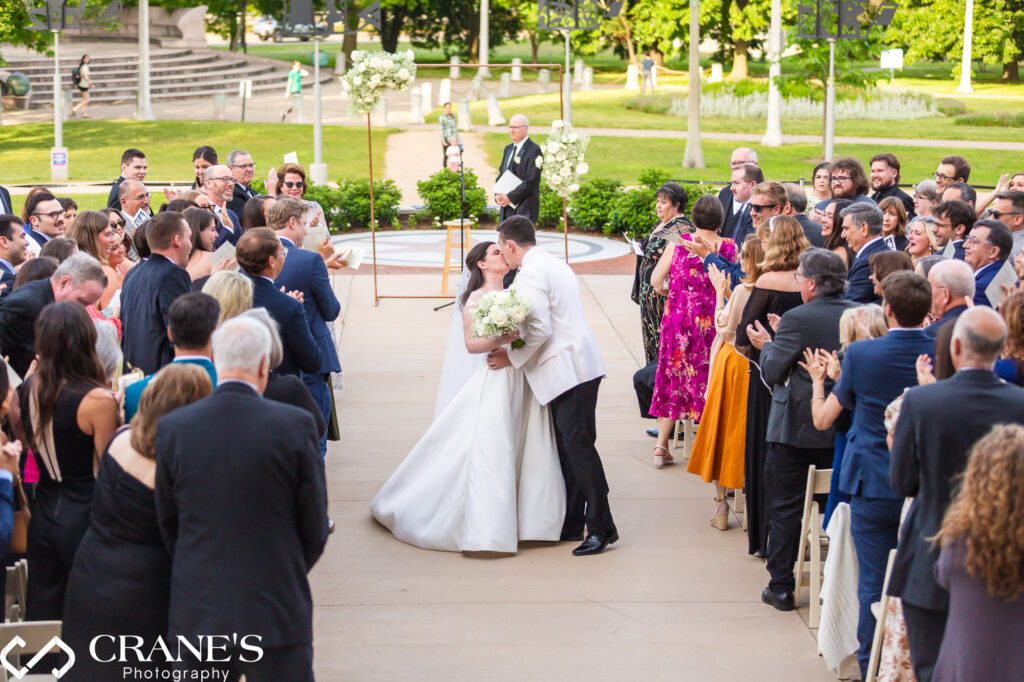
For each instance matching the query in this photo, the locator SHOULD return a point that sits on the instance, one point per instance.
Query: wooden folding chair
(38, 636)
(16, 591)
(686, 430)
(812, 537)
(879, 610)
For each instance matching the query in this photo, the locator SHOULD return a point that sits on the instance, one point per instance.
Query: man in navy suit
(219, 185)
(45, 218)
(953, 221)
(155, 284)
(862, 229)
(952, 284)
(306, 272)
(986, 249)
(874, 373)
(13, 251)
(261, 255)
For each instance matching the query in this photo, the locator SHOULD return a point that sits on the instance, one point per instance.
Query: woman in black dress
(670, 205)
(775, 292)
(67, 416)
(121, 580)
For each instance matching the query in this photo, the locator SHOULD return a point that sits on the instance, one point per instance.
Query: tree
(749, 21)
(14, 29)
(454, 26)
(656, 24)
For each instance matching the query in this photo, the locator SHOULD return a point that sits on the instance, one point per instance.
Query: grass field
(623, 158)
(95, 147)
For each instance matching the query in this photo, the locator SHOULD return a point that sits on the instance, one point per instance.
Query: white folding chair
(16, 591)
(880, 609)
(38, 636)
(686, 430)
(811, 538)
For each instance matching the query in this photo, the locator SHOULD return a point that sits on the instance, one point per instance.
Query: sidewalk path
(414, 155)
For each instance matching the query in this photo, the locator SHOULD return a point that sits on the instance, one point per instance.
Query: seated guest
(134, 167)
(134, 200)
(952, 285)
(219, 186)
(849, 181)
(894, 223)
(13, 251)
(953, 221)
(793, 442)
(203, 224)
(206, 516)
(67, 416)
(928, 455)
(121, 577)
(255, 212)
(921, 238)
(233, 292)
(979, 564)
(985, 250)
(862, 229)
(261, 256)
(305, 272)
(79, 278)
(884, 262)
(796, 207)
(874, 373)
(151, 288)
(45, 219)
(191, 321)
(1009, 367)
(34, 269)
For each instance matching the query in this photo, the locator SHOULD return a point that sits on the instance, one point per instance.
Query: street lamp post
(773, 132)
(144, 105)
(965, 60)
(485, 47)
(693, 157)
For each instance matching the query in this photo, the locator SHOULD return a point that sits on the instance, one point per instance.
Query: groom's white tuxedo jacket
(560, 351)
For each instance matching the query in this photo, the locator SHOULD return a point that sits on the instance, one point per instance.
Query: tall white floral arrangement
(562, 163)
(373, 73)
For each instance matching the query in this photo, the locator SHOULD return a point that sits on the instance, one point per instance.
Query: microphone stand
(462, 221)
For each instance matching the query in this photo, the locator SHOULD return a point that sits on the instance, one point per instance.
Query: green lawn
(95, 147)
(623, 158)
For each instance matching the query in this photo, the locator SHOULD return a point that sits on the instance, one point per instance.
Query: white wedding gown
(484, 476)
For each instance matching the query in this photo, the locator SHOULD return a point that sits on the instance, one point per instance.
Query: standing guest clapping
(230, 571)
(687, 328)
(120, 581)
(67, 416)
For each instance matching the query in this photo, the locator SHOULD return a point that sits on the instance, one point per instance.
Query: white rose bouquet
(562, 163)
(498, 313)
(373, 73)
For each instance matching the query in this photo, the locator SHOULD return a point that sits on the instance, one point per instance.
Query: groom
(564, 369)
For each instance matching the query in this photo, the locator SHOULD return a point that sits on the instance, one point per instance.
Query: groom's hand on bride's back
(498, 359)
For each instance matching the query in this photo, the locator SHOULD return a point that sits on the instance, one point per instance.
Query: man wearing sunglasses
(1009, 208)
(767, 200)
(243, 168)
(219, 186)
(45, 218)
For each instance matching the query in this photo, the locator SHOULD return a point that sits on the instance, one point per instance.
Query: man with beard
(849, 181)
(885, 177)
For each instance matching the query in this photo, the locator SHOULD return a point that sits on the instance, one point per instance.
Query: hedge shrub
(590, 207)
(348, 207)
(440, 194)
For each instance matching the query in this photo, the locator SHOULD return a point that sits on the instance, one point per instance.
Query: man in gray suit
(793, 442)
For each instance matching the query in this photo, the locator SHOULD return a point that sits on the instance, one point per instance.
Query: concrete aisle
(673, 600)
(414, 155)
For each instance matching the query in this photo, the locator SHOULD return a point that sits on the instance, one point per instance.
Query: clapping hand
(813, 365)
(1003, 184)
(271, 183)
(925, 373)
(758, 335)
(719, 281)
(297, 295)
(172, 194)
(699, 247)
(773, 321)
(10, 458)
(833, 367)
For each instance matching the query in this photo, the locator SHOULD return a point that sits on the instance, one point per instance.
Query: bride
(486, 474)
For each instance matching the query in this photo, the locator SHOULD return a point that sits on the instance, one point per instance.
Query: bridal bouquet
(372, 73)
(562, 163)
(498, 313)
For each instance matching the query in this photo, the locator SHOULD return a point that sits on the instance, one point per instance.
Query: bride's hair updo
(476, 275)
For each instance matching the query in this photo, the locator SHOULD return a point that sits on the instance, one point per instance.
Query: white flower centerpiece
(562, 164)
(374, 73)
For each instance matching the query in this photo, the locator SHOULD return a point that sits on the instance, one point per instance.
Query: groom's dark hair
(519, 229)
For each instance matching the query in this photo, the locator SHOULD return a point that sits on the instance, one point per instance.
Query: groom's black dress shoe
(596, 543)
(783, 601)
(571, 535)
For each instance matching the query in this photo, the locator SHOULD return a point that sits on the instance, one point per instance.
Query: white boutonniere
(517, 159)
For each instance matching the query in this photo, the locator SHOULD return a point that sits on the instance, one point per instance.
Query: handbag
(22, 516)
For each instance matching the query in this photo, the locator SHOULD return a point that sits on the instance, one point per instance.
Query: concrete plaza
(674, 599)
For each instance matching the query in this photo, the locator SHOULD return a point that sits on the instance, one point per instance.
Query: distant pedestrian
(449, 132)
(80, 79)
(647, 66)
(293, 92)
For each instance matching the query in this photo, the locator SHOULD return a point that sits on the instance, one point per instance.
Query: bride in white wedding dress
(486, 474)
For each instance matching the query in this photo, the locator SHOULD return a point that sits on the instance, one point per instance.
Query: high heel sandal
(721, 518)
(664, 459)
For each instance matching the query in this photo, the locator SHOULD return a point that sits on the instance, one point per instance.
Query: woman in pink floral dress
(688, 325)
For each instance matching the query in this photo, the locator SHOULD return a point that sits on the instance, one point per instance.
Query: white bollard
(588, 79)
(654, 76)
(427, 92)
(476, 86)
(454, 71)
(415, 106)
(577, 72)
(494, 117)
(716, 73)
(505, 88)
(339, 64)
(517, 69)
(318, 173)
(444, 93)
(543, 78)
(462, 118)
(632, 80)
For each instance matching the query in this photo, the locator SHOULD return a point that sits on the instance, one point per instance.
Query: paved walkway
(414, 155)
(673, 600)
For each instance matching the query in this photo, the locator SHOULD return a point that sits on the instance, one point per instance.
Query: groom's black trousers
(586, 489)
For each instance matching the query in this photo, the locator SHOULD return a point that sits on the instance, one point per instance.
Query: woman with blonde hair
(717, 455)
(774, 292)
(921, 239)
(981, 564)
(233, 291)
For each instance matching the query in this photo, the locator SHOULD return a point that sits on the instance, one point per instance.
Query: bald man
(928, 453)
(219, 185)
(520, 158)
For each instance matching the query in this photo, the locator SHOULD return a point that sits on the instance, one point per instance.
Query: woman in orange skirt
(717, 455)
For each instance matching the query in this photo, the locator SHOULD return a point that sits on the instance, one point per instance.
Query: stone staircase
(174, 73)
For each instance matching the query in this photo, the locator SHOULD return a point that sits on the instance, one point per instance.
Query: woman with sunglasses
(290, 181)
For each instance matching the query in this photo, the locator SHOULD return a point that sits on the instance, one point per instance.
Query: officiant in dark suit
(520, 157)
